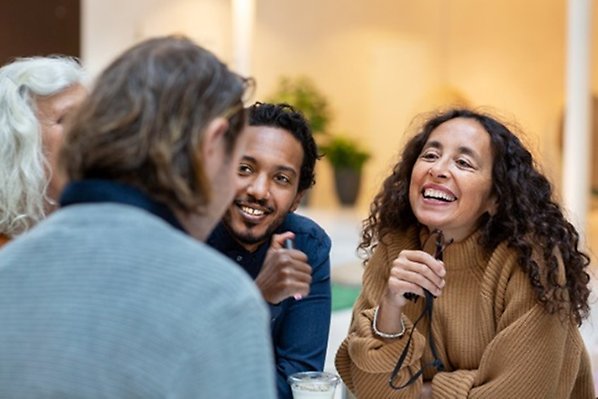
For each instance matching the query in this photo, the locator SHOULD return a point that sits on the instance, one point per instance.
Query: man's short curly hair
(286, 117)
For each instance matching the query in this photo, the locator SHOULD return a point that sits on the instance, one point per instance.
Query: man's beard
(247, 236)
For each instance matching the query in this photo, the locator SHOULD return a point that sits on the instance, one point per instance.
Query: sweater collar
(97, 190)
(465, 254)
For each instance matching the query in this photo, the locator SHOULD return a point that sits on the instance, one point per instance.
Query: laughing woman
(468, 224)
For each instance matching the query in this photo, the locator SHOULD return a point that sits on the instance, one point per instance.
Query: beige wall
(510, 55)
(373, 62)
(382, 64)
(379, 61)
(111, 26)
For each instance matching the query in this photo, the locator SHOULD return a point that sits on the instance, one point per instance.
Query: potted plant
(302, 94)
(347, 158)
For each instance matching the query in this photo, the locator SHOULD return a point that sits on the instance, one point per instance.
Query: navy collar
(222, 239)
(97, 190)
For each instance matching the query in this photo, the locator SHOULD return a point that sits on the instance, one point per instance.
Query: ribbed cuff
(453, 385)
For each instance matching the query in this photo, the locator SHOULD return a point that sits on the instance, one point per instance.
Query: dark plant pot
(347, 182)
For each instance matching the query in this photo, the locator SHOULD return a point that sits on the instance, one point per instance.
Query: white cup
(313, 385)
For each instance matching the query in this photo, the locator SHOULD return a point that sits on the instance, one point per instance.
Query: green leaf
(302, 94)
(343, 152)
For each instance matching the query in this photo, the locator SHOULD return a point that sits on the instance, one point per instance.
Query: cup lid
(314, 377)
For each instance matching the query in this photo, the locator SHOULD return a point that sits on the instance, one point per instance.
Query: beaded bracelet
(385, 335)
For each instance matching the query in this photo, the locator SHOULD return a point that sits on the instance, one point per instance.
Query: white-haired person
(36, 95)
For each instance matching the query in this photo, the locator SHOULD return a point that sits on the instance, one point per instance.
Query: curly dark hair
(286, 117)
(527, 216)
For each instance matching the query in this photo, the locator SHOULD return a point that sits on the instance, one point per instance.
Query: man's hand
(285, 272)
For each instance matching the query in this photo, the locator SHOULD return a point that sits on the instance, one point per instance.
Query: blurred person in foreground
(114, 295)
(276, 170)
(468, 223)
(36, 96)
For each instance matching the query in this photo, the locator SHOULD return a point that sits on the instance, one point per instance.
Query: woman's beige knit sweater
(494, 338)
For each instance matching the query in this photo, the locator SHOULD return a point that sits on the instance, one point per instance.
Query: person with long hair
(115, 294)
(36, 96)
(474, 283)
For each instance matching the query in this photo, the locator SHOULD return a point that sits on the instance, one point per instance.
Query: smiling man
(275, 171)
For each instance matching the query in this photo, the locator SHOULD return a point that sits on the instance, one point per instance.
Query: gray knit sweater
(109, 301)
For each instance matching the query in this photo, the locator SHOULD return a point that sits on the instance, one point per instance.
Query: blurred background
(366, 68)
(378, 63)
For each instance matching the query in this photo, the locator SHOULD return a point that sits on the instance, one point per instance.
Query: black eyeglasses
(436, 362)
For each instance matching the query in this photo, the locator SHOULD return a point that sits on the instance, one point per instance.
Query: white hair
(23, 166)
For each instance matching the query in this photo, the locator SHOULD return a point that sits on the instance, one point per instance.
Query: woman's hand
(412, 272)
